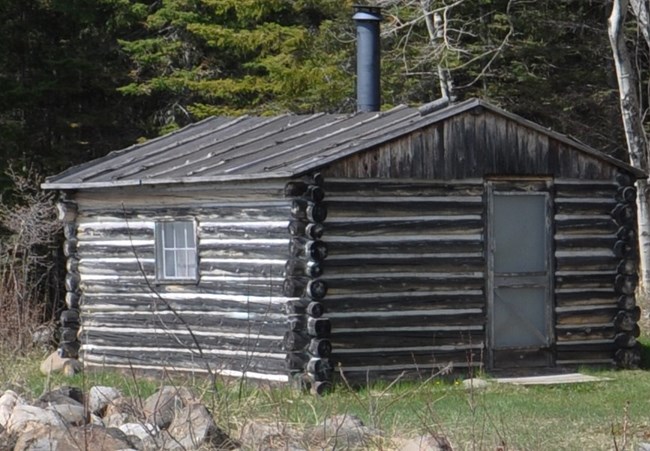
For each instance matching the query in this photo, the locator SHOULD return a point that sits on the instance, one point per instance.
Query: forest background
(79, 78)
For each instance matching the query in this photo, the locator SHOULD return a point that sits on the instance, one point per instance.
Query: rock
(643, 447)
(262, 436)
(88, 438)
(475, 384)
(124, 407)
(101, 396)
(140, 430)
(63, 395)
(53, 363)
(115, 420)
(426, 443)
(341, 431)
(25, 417)
(72, 367)
(161, 407)
(193, 427)
(74, 415)
(8, 401)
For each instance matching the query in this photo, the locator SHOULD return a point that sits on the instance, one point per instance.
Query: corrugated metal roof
(221, 149)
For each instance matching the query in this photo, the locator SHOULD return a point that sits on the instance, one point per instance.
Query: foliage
(29, 284)
(206, 57)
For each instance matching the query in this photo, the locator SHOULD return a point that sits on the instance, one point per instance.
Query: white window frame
(177, 252)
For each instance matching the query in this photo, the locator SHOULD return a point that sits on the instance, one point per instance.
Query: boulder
(72, 367)
(8, 401)
(125, 407)
(101, 396)
(26, 417)
(74, 415)
(139, 430)
(63, 395)
(256, 435)
(161, 407)
(193, 428)
(341, 431)
(53, 363)
(53, 438)
(475, 384)
(426, 443)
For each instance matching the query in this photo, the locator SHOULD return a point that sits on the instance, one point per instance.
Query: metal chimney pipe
(367, 19)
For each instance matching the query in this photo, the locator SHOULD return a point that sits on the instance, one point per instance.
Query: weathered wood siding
(232, 320)
(585, 271)
(470, 145)
(405, 275)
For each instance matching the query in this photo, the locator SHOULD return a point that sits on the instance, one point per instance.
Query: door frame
(518, 187)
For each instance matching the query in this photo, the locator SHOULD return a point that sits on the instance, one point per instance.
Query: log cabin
(302, 247)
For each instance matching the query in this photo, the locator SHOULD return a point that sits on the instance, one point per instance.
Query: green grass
(563, 417)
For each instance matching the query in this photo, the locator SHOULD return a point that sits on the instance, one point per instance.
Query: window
(176, 251)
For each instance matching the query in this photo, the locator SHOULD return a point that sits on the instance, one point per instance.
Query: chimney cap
(364, 12)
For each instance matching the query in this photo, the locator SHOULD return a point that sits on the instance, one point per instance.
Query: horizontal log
(296, 361)
(413, 319)
(582, 333)
(570, 241)
(402, 206)
(182, 338)
(66, 211)
(316, 250)
(277, 209)
(406, 339)
(320, 369)
(625, 321)
(343, 286)
(580, 224)
(296, 267)
(309, 230)
(315, 309)
(624, 214)
(624, 179)
(70, 247)
(68, 334)
(625, 284)
(406, 360)
(626, 233)
(319, 327)
(419, 245)
(72, 300)
(185, 295)
(308, 211)
(403, 301)
(180, 302)
(400, 262)
(70, 318)
(399, 187)
(418, 224)
(295, 341)
(588, 263)
(185, 359)
(627, 267)
(592, 316)
(584, 189)
(626, 302)
(585, 279)
(69, 350)
(588, 357)
(577, 296)
(313, 193)
(296, 323)
(624, 249)
(297, 287)
(624, 340)
(320, 347)
(628, 358)
(602, 206)
(242, 230)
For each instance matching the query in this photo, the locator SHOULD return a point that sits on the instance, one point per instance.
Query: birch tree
(633, 115)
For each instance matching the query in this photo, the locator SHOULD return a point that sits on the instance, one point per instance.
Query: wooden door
(520, 277)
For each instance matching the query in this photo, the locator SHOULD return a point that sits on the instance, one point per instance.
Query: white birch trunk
(633, 125)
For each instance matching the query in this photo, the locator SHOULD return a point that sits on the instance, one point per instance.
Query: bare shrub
(29, 239)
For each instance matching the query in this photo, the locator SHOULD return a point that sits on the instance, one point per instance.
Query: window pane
(180, 233)
(168, 235)
(170, 263)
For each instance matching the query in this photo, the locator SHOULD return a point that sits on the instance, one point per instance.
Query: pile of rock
(173, 418)
(104, 420)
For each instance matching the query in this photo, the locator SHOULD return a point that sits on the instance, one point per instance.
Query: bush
(30, 285)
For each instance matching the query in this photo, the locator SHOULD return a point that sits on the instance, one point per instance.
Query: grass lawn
(588, 416)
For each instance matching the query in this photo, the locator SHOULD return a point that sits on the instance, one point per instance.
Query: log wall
(405, 275)
(230, 322)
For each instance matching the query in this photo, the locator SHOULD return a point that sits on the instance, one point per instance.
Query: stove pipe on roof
(367, 19)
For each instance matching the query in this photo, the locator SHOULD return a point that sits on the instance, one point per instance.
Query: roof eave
(162, 181)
